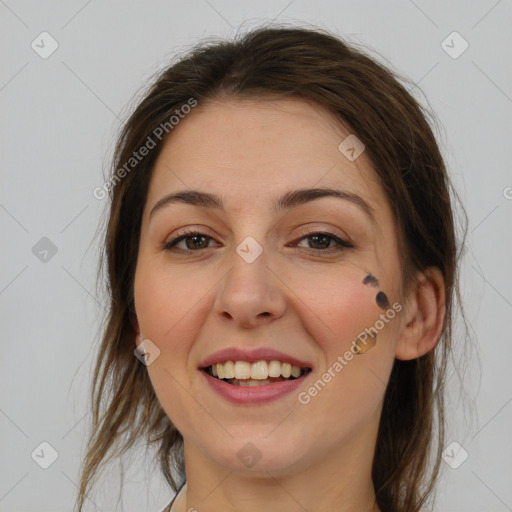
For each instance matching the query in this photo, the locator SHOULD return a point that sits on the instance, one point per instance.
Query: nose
(250, 294)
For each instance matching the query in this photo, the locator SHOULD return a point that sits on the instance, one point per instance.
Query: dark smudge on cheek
(368, 339)
(371, 280)
(382, 300)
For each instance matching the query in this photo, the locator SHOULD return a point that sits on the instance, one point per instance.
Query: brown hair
(313, 65)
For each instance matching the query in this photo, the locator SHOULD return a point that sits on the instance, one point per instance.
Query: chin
(257, 456)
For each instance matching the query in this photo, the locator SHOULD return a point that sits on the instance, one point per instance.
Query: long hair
(396, 130)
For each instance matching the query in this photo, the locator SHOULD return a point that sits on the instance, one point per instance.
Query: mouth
(259, 373)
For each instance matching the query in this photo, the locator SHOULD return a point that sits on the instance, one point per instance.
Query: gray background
(59, 116)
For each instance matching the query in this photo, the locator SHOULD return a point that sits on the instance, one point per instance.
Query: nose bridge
(249, 271)
(250, 292)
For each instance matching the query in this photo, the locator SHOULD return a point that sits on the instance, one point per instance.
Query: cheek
(163, 299)
(172, 306)
(342, 307)
(166, 304)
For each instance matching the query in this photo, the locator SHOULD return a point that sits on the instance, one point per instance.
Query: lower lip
(254, 394)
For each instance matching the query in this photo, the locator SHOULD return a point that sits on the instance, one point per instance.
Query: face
(302, 274)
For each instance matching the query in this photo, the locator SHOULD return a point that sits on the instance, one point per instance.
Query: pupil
(325, 238)
(194, 244)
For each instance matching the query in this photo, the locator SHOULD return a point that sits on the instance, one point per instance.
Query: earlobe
(424, 316)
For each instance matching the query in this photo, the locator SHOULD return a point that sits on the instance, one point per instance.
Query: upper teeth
(260, 370)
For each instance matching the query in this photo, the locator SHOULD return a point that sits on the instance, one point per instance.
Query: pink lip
(256, 394)
(252, 356)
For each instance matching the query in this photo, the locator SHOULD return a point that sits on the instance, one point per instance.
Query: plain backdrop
(59, 116)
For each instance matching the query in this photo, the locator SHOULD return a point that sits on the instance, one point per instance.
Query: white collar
(178, 498)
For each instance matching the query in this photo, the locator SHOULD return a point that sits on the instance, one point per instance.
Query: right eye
(193, 240)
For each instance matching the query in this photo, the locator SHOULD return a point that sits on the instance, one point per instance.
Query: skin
(314, 457)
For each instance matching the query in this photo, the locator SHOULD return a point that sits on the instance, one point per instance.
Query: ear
(424, 316)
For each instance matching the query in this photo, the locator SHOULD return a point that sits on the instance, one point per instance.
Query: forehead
(245, 148)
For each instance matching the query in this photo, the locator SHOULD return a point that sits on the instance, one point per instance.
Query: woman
(281, 256)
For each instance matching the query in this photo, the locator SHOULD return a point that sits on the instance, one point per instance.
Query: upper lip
(252, 356)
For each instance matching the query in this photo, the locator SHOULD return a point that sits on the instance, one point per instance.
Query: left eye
(322, 241)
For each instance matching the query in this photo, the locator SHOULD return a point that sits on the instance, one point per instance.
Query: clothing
(179, 493)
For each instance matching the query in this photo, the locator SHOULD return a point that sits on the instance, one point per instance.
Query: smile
(242, 382)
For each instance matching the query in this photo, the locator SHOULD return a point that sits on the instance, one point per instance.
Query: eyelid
(189, 230)
(317, 230)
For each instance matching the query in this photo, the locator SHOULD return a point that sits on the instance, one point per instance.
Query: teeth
(242, 369)
(274, 369)
(251, 383)
(258, 371)
(229, 370)
(295, 371)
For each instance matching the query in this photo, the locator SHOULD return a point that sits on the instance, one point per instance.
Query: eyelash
(341, 243)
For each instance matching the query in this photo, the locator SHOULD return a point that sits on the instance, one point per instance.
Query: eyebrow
(289, 200)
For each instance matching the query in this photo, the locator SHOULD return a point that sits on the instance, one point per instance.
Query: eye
(192, 240)
(322, 242)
